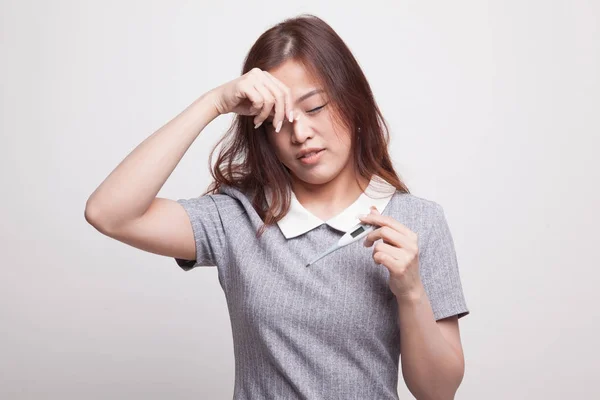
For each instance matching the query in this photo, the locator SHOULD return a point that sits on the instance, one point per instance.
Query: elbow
(442, 386)
(434, 394)
(94, 218)
(90, 214)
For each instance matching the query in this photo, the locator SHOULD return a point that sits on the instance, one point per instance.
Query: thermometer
(354, 234)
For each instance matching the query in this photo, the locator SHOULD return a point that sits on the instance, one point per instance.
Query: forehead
(295, 76)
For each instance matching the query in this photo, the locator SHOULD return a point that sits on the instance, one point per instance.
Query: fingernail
(257, 125)
(279, 126)
(291, 116)
(361, 216)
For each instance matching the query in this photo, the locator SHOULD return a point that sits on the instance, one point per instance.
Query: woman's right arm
(125, 206)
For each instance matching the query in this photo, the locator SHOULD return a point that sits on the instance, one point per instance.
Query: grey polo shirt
(329, 331)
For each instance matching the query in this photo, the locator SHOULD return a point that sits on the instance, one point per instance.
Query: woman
(307, 152)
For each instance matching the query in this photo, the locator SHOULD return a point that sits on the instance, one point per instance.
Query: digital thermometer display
(357, 232)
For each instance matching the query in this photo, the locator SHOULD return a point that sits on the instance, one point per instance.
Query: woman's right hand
(255, 93)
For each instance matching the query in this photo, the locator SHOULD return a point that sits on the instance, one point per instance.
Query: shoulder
(408, 203)
(231, 202)
(225, 202)
(419, 214)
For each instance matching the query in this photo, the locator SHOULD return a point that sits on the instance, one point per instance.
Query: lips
(309, 152)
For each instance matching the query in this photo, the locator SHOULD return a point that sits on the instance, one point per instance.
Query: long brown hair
(246, 160)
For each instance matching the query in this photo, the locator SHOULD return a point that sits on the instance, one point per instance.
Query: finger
(268, 102)
(287, 94)
(254, 97)
(390, 236)
(388, 262)
(279, 97)
(384, 220)
(394, 252)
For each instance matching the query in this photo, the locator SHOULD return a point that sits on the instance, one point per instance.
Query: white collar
(299, 220)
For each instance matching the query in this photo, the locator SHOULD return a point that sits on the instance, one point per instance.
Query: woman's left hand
(398, 252)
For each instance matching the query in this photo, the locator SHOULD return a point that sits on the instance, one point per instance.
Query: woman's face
(313, 127)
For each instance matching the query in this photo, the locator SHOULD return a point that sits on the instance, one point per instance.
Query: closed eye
(317, 109)
(314, 110)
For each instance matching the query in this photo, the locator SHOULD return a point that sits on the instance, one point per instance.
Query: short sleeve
(208, 232)
(439, 269)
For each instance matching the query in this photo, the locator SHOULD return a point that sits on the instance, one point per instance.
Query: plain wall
(494, 113)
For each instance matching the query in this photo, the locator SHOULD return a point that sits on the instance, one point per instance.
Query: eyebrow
(307, 95)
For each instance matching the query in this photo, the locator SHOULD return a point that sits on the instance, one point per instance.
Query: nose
(301, 131)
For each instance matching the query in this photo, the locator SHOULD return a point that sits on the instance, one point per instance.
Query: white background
(494, 114)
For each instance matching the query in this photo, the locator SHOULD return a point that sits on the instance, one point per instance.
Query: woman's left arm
(431, 351)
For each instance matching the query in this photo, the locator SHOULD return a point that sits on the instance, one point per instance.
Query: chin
(316, 176)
